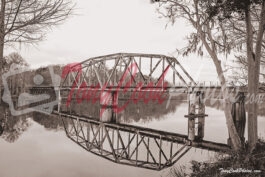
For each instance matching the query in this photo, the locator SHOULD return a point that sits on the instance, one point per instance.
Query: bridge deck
(183, 89)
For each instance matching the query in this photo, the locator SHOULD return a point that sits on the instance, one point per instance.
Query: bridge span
(133, 145)
(146, 77)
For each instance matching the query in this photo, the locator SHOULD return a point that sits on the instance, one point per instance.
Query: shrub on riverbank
(235, 165)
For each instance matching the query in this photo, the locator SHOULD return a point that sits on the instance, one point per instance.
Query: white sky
(105, 27)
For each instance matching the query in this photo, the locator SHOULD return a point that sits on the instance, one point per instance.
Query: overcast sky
(105, 27)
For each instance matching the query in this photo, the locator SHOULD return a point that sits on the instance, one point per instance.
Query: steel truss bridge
(125, 144)
(111, 72)
(132, 145)
(143, 72)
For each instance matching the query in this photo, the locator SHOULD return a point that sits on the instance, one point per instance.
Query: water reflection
(134, 112)
(51, 122)
(218, 104)
(128, 145)
(137, 114)
(132, 145)
(42, 137)
(12, 127)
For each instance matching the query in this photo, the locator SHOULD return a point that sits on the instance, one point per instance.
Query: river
(36, 145)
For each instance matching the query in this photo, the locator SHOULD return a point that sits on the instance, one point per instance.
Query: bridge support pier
(108, 106)
(196, 111)
(201, 117)
(191, 129)
(239, 116)
(59, 99)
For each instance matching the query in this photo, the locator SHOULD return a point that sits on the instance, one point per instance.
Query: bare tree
(27, 21)
(253, 42)
(220, 27)
(207, 36)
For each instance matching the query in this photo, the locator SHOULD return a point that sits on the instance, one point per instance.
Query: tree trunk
(210, 47)
(236, 141)
(2, 36)
(252, 107)
(253, 75)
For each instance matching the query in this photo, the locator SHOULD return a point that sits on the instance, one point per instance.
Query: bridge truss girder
(108, 71)
(132, 145)
(134, 148)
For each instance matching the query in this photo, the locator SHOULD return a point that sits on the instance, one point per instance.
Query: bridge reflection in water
(132, 145)
(101, 79)
(141, 75)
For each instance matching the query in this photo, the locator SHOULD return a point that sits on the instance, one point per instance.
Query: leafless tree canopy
(27, 20)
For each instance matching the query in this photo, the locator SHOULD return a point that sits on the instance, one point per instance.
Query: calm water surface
(38, 147)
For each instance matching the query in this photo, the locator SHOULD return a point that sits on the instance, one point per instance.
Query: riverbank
(236, 165)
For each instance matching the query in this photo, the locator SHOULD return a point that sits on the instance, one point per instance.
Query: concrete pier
(196, 112)
(108, 106)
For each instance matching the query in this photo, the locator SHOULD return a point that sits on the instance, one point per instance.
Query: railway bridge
(140, 77)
